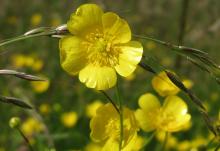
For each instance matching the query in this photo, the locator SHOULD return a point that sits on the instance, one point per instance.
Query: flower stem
(121, 116)
(111, 101)
(165, 141)
(25, 139)
(23, 37)
(149, 139)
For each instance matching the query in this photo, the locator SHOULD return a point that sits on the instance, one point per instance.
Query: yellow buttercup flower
(19, 61)
(170, 117)
(171, 141)
(165, 87)
(40, 86)
(69, 119)
(45, 109)
(99, 46)
(31, 126)
(92, 107)
(36, 19)
(105, 127)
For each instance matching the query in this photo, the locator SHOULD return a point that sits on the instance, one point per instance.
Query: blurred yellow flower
(31, 126)
(44, 108)
(99, 47)
(19, 61)
(40, 86)
(36, 19)
(170, 117)
(69, 119)
(194, 144)
(92, 107)
(171, 141)
(12, 20)
(55, 21)
(164, 86)
(105, 127)
(150, 45)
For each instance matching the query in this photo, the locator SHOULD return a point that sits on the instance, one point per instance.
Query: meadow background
(62, 103)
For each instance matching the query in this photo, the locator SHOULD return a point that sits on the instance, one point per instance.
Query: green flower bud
(14, 122)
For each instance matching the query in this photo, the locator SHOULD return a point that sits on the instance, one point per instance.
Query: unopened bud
(14, 122)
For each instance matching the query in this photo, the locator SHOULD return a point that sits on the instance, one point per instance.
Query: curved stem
(121, 116)
(23, 37)
(111, 101)
(25, 139)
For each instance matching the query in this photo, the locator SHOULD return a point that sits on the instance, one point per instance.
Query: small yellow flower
(171, 142)
(31, 126)
(92, 107)
(36, 19)
(44, 109)
(12, 20)
(40, 86)
(99, 46)
(19, 61)
(69, 119)
(165, 87)
(170, 117)
(105, 127)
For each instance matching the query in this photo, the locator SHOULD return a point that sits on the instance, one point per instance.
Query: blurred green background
(64, 98)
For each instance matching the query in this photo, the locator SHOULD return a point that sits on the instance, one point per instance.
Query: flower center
(113, 128)
(101, 51)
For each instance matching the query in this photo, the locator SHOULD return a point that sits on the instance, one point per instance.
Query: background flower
(170, 117)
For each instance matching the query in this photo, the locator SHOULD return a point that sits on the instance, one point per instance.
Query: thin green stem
(121, 116)
(23, 37)
(210, 143)
(165, 141)
(25, 139)
(148, 140)
(110, 100)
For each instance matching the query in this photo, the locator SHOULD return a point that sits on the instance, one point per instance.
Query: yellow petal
(147, 115)
(116, 28)
(176, 109)
(110, 145)
(72, 54)
(163, 86)
(99, 123)
(86, 18)
(131, 54)
(149, 102)
(100, 78)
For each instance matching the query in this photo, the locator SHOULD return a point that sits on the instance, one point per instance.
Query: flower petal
(147, 115)
(131, 54)
(175, 108)
(98, 124)
(100, 78)
(116, 28)
(72, 54)
(86, 18)
(149, 102)
(163, 85)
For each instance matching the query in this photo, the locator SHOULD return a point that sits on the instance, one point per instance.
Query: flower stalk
(121, 116)
(25, 139)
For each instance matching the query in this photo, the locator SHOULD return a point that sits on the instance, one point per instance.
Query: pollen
(101, 51)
